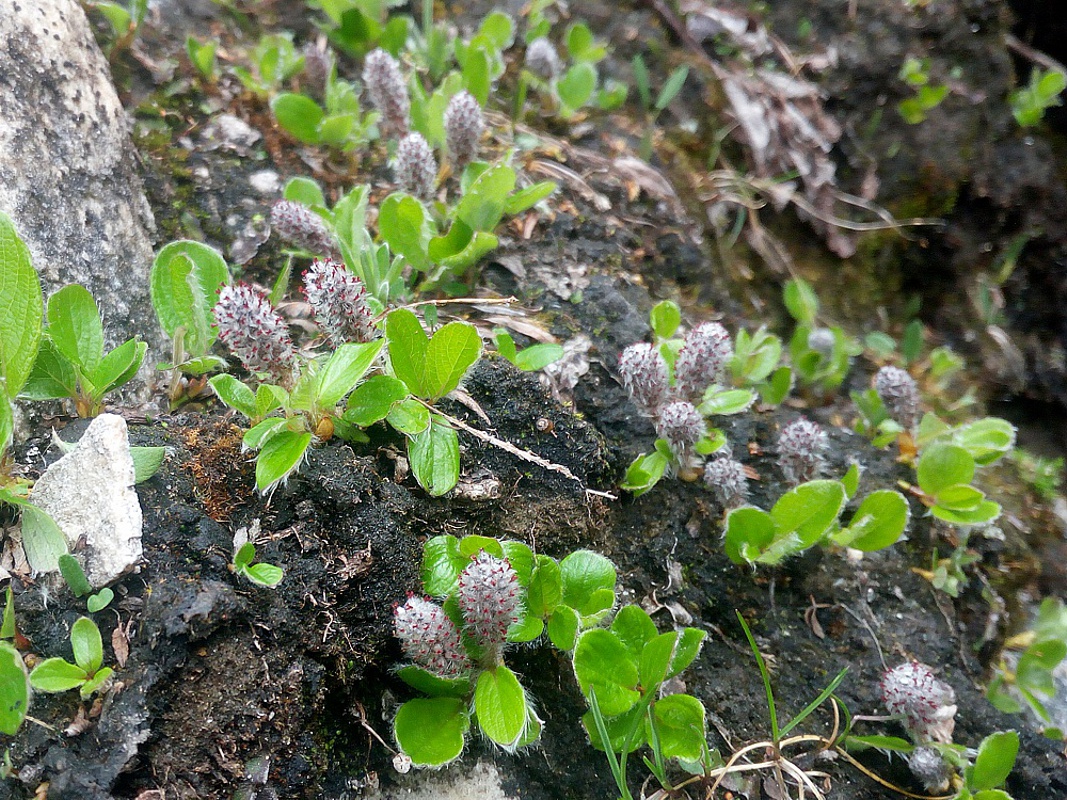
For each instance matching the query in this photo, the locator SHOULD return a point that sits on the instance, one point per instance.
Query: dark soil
(230, 690)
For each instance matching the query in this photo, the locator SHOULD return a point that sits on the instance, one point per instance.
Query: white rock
(89, 492)
(480, 782)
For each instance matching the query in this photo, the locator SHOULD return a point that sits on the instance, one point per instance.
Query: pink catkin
(430, 639)
(255, 332)
(489, 596)
(338, 299)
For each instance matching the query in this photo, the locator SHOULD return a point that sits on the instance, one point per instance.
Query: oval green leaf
(434, 457)
(21, 309)
(14, 689)
(500, 706)
(431, 730)
(280, 457)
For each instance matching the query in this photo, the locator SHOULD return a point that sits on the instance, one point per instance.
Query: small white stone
(89, 492)
(266, 181)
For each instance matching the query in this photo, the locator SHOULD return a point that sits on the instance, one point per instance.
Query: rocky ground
(234, 691)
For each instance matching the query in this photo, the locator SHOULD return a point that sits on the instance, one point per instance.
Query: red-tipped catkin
(430, 639)
(416, 168)
(338, 299)
(926, 703)
(255, 332)
(542, 59)
(644, 374)
(702, 359)
(801, 447)
(726, 478)
(299, 225)
(899, 394)
(682, 426)
(464, 125)
(388, 91)
(489, 596)
(318, 66)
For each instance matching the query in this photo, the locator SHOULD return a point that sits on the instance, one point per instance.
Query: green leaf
(500, 706)
(807, 512)
(528, 197)
(95, 682)
(645, 472)
(483, 204)
(891, 744)
(521, 558)
(256, 436)
(538, 356)
(801, 301)
(428, 683)
(87, 644)
(430, 731)
(985, 439)
(75, 327)
(959, 498)
(584, 573)
(117, 367)
(679, 726)
(304, 191)
(986, 511)
(581, 46)
(264, 574)
(42, 539)
(461, 247)
(476, 74)
(499, 29)
(410, 417)
(602, 660)
(942, 465)
(348, 364)
(434, 457)
(992, 794)
(146, 462)
(563, 627)
(298, 114)
(14, 689)
(244, 556)
(280, 457)
(672, 87)
(53, 377)
(720, 402)
(100, 600)
(656, 660)
(851, 480)
(74, 575)
(7, 629)
(408, 344)
(576, 86)
(373, 399)
(687, 649)
(618, 729)
(186, 277)
(452, 351)
(268, 398)
(545, 591)
(473, 544)
(994, 762)
(56, 675)
(635, 628)
(402, 222)
(749, 531)
(665, 318)
(878, 523)
(505, 345)
(234, 394)
(21, 310)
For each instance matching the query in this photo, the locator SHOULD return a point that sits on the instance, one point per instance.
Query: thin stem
(775, 733)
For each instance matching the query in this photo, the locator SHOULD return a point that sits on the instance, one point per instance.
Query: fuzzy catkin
(900, 395)
(338, 299)
(542, 59)
(702, 359)
(388, 91)
(430, 639)
(801, 448)
(488, 595)
(929, 766)
(416, 168)
(926, 703)
(682, 426)
(255, 332)
(299, 225)
(464, 125)
(644, 374)
(727, 480)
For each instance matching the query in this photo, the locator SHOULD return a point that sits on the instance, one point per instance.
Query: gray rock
(89, 492)
(68, 174)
